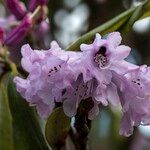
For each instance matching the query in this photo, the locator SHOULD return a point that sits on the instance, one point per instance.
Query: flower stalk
(82, 125)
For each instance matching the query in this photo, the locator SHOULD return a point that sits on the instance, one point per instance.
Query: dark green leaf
(6, 140)
(146, 10)
(137, 14)
(57, 128)
(27, 132)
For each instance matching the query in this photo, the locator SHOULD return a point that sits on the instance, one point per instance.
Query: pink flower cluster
(98, 71)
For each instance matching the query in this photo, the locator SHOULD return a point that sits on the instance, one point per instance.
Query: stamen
(100, 57)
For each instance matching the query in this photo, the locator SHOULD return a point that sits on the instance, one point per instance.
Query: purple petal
(122, 52)
(126, 126)
(112, 94)
(114, 39)
(44, 110)
(70, 107)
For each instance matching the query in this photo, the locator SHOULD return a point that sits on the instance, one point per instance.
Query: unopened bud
(1, 35)
(33, 4)
(17, 8)
(19, 33)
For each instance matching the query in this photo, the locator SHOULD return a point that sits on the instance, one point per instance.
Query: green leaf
(57, 128)
(6, 141)
(146, 10)
(27, 132)
(117, 23)
(103, 29)
(137, 14)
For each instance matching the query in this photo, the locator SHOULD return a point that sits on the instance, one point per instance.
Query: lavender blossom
(101, 58)
(19, 32)
(81, 76)
(74, 95)
(17, 8)
(134, 94)
(48, 76)
(99, 73)
(105, 54)
(52, 79)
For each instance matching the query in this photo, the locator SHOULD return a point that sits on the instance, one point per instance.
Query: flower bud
(1, 35)
(17, 8)
(34, 3)
(20, 32)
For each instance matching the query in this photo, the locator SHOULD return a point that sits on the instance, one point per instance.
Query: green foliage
(6, 140)
(19, 127)
(146, 10)
(27, 132)
(57, 128)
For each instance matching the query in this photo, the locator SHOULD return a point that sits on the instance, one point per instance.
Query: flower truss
(98, 71)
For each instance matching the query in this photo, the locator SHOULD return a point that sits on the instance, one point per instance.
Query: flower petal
(112, 94)
(114, 39)
(126, 125)
(70, 107)
(122, 52)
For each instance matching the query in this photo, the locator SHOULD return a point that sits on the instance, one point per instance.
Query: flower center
(100, 57)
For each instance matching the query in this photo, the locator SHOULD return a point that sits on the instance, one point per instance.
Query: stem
(8, 64)
(82, 125)
(82, 132)
(36, 13)
(74, 139)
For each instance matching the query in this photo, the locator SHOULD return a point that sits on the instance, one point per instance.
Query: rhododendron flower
(105, 54)
(48, 76)
(79, 74)
(100, 59)
(99, 73)
(79, 91)
(134, 95)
